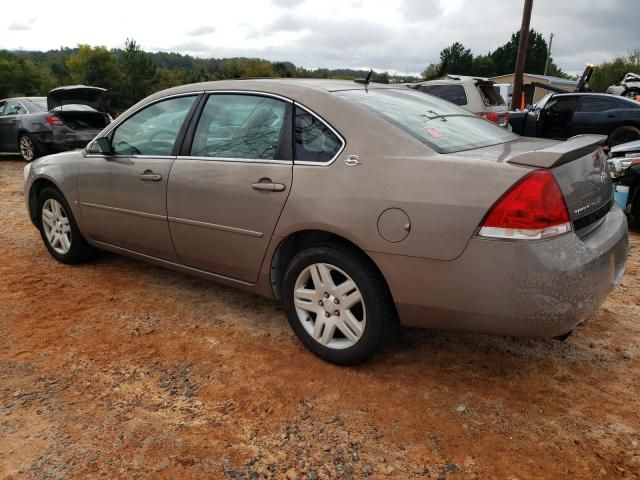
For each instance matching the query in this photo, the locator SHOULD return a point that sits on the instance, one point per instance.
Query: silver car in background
(356, 205)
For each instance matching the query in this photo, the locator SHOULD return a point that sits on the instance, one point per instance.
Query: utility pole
(546, 65)
(522, 55)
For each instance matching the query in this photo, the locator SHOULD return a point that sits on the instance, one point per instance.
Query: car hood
(76, 94)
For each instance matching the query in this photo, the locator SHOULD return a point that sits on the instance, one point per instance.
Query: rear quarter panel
(445, 196)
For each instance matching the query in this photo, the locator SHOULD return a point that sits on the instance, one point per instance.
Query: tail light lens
(53, 120)
(533, 208)
(492, 117)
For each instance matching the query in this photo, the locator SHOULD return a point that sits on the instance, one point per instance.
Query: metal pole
(546, 65)
(522, 55)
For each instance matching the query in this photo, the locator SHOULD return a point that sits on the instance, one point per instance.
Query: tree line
(131, 74)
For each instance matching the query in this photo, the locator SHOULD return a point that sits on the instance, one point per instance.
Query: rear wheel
(623, 135)
(337, 303)
(28, 149)
(59, 230)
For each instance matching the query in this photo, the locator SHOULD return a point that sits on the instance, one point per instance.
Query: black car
(68, 118)
(563, 115)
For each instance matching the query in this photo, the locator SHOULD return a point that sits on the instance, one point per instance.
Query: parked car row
(69, 117)
(354, 204)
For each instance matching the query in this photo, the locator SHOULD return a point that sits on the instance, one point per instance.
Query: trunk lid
(579, 165)
(76, 94)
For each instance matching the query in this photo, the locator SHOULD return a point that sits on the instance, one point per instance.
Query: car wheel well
(37, 187)
(302, 240)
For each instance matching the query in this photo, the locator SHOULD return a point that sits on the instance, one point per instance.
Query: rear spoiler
(561, 153)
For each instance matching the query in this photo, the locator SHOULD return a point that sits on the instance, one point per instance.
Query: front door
(9, 125)
(122, 193)
(226, 193)
(556, 117)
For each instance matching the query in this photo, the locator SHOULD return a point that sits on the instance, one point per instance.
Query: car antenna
(365, 81)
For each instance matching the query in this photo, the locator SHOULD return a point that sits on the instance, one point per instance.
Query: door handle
(150, 177)
(268, 186)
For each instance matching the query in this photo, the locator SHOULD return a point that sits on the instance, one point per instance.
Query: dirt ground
(119, 369)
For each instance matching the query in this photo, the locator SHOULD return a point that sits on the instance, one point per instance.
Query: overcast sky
(394, 35)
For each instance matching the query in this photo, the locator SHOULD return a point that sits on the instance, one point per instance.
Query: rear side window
(240, 126)
(438, 124)
(451, 93)
(596, 105)
(314, 141)
(491, 96)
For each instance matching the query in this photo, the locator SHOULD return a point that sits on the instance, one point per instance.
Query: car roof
(288, 87)
(596, 95)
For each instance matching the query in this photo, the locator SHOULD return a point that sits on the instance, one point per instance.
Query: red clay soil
(119, 369)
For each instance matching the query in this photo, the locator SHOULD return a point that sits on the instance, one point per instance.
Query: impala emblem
(603, 177)
(352, 161)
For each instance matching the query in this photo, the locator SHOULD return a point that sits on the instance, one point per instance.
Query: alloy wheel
(330, 306)
(26, 148)
(55, 223)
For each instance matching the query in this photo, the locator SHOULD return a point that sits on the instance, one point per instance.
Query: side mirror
(101, 145)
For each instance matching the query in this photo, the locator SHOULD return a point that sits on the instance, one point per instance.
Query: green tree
(456, 60)
(505, 56)
(98, 67)
(256, 68)
(609, 73)
(139, 73)
(484, 66)
(431, 72)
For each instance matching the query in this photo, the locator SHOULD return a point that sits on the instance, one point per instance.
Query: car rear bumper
(63, 141)
(538, 288)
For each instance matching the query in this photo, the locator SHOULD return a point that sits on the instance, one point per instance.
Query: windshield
(543, 101)
(437, 123)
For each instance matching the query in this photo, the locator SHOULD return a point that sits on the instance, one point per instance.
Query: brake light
(53, 120)
(533, 208)
(492, 116)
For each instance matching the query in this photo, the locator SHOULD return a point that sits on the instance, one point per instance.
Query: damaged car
(68, 118)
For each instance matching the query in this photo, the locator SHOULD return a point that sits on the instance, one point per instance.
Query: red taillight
(492, 116)
(533, 208)
(53, 120)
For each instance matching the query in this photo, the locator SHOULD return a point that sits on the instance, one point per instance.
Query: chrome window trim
(333, 130)
(108, 157)
(251, 92)
(238, 160)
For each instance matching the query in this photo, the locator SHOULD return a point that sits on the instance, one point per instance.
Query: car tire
(59, 230)
(28, 149)
(343, 323)
(623, 135)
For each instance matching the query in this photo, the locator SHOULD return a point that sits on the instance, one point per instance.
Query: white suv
(478, 95)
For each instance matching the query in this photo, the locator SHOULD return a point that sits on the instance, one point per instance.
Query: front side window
(438, 124)
(451, 93)
(14, 108)
(314, 141)
(240, 126)
(561, 106)
(154, 130)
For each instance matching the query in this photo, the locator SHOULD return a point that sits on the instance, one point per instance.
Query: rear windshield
(437, 123)
(491, 96)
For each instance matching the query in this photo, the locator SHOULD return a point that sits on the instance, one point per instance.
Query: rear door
(595, 114)
(556, 117)
(123, 193)
(227, 189)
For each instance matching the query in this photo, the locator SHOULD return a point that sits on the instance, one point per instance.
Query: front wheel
(59, 230)
(337, 303)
